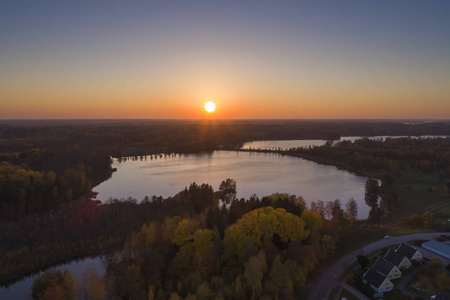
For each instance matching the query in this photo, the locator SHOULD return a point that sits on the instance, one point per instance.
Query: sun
(210, 106)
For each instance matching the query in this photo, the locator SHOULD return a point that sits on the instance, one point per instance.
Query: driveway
(330, 277)
(402, 285)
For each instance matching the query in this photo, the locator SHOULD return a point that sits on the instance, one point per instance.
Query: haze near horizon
(255, 60)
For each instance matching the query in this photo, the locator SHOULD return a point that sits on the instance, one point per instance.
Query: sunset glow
(210, 106)
(290, 61)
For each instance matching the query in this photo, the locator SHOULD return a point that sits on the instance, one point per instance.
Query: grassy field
(403, 230)
(359, 236)
(416, 193)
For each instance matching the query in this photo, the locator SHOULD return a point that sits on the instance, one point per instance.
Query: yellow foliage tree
(204, 250)
(184, 231)
(265, 220)
(312, 219)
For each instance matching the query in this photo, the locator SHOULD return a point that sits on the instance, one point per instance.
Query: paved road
(330, 277)
(402, 285)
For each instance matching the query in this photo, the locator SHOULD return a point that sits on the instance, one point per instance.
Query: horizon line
(225, 119)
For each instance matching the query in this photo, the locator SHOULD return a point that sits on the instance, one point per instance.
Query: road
(330, 277)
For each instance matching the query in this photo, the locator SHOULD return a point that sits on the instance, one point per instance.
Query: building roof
(374, 278)
(383, 266)
(437, 246)
(406, 250)
(394, 257)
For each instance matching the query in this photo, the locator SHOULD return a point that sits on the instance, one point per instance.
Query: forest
(392, 155)
(199, 243)
(256, 248)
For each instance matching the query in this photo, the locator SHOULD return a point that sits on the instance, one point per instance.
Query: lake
(255, 173)
(21, 290)
(287, 144)
(282, 144)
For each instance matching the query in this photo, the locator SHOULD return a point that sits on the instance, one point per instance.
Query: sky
(254, 59)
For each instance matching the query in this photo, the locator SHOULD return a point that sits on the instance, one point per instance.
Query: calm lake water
(287, 144)
(21, 290)
(283, 144)
(255, 173)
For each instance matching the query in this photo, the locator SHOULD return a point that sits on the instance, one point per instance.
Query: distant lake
(282, 144)
(287, 144)
(21, 290)
(255, 173)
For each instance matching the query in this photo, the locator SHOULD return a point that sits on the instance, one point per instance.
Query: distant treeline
(391, 155)
(134, 138)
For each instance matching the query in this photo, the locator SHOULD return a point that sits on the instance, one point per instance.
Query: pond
(21, 290)
(255, 173)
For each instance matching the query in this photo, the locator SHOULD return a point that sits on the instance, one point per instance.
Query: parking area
(430, 255)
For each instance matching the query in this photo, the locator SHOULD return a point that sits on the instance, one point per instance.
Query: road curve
(330, 277)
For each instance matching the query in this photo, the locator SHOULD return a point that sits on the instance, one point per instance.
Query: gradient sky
(255, 59)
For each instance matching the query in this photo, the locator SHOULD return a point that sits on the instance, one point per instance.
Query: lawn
(359, 236)
(403, 230)
(416, 193)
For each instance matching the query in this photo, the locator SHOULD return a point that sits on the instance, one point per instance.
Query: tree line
(40, 180)
(391, 154)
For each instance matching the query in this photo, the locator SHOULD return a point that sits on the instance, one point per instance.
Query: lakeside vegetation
(45, 218)
(414, 172)
(256, 247)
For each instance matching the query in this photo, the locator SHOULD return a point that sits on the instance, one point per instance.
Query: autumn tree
(268, 221)
(228, 190)
(372, 191)
(134, 283)
(204, 250)
(351, 210)
(55, 285)
(375, 214)
(183, 261)
(203, 291)
(318, 206)
(280, 276)
(55, 292)
(312, 219)
(70, 286)
(184, 231)
(93, 287)
(46, 281)
(254, 271)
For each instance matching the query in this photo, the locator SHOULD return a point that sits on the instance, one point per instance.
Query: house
(387, 269)
(399, 260)
(410, 252)
(378, 282)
